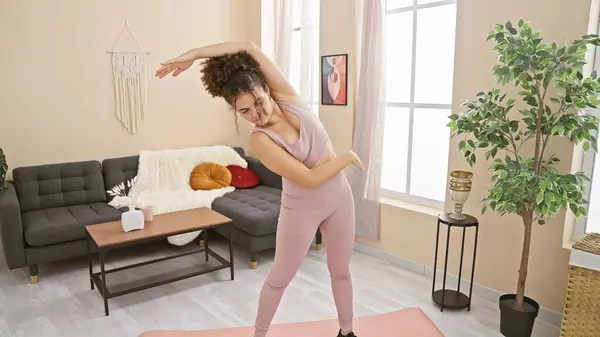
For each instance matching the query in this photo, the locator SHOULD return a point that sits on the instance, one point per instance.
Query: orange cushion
(209, 176)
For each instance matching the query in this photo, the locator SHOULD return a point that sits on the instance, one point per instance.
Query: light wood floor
(62, 303)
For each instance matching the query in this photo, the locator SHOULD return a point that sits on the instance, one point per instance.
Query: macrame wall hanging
(129, 70)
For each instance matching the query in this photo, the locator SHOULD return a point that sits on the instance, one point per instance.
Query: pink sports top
(308, 149)
(313, 138)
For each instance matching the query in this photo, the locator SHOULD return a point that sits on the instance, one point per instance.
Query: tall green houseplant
(554, 98)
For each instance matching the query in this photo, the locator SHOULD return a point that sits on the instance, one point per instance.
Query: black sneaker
(350, 334)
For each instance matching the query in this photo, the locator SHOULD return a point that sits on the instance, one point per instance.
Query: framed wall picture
(334, 79)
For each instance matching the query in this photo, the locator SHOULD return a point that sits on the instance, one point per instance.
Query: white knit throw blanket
(163, 182)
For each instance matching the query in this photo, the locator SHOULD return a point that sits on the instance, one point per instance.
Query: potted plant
(3, 169)
(553, 96)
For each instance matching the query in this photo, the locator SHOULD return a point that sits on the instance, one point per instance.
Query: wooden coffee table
(109, 236)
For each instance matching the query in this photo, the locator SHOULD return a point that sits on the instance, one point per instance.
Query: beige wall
(411, 234)
(337, 37)
(57, 79)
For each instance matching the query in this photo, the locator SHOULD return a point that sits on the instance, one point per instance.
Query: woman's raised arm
(280, 88)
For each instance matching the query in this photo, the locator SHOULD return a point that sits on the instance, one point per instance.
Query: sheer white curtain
(285, 28)
(368, 128)
(297, 49)
(309, 61)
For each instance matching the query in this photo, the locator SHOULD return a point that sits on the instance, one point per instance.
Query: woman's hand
(176, 65)
(355, 160)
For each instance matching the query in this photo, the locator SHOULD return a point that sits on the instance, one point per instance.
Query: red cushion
(242, 177)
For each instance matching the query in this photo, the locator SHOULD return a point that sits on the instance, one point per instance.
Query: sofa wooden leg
(253, 260)
(33, 274)
(319, 240)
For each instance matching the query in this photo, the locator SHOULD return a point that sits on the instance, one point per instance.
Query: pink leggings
(297, 227)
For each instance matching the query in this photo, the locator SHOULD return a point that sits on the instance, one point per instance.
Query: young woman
(291, 141)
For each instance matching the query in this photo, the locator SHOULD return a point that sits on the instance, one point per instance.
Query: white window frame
(406, 196)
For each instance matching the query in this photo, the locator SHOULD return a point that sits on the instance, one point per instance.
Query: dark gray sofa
(43, 212)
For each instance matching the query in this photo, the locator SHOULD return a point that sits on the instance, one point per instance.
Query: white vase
(132, 220)
(460, 188)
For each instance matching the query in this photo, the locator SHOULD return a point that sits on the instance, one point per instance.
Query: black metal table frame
(443, 291)
(99, 278)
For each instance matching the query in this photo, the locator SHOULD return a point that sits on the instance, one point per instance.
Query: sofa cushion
(242, 177)
(62, 224)
(119, 170)
(254, 211)
(59, 185)
(209, 176)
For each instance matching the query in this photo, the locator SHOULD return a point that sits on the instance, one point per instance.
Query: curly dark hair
(229, 75)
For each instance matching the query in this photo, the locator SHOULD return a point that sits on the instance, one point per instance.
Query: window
(420, 65)
(591, 222)
(311, 48)
(591, 166)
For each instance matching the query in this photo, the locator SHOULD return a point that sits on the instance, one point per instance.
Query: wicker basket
(581, 312)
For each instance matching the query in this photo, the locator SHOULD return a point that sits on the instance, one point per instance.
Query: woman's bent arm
(275, 158)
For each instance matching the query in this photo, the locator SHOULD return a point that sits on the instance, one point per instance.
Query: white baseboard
(545, 314)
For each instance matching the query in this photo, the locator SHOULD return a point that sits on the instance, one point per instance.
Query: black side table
(454, 299)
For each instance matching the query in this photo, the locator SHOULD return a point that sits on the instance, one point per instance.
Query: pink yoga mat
(410, 322)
